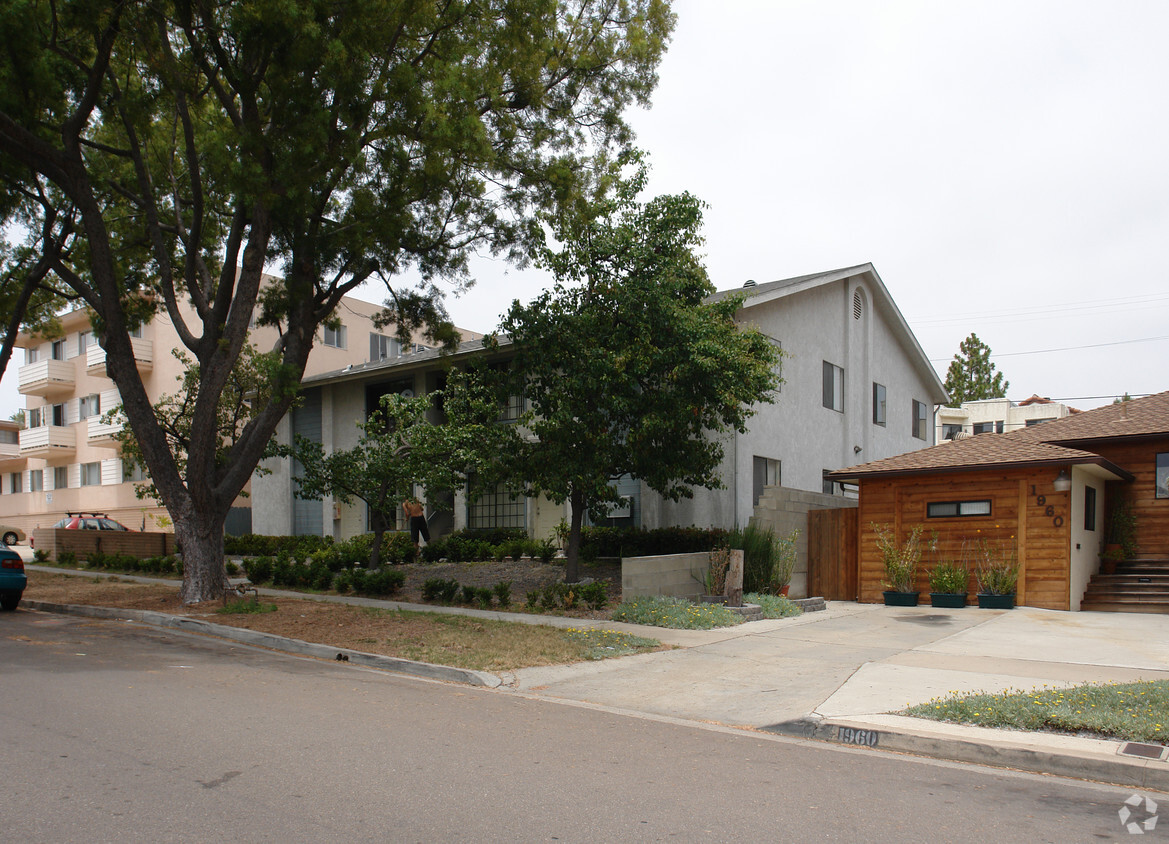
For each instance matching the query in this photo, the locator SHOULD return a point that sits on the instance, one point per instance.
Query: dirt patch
(340, 625)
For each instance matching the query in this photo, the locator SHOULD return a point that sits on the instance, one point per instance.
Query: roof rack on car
(89, 515)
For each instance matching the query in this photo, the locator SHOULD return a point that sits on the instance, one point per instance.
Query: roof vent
(858, 304)
(749, 283)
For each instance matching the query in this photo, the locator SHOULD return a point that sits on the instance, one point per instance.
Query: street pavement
(840, 674)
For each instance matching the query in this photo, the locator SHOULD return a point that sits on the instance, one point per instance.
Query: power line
(1064, 349)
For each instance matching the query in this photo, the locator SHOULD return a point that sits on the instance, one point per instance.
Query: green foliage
(949, 577)
(376, 584)
(259, 569)
(773, 606)
(162, 153)
(469, 593)
(439, 589)
(663, 611)
(40, 555)
(67, 558)
(245, 607)
(972, 376)
(638, 542)
(483, 597)
(604, 644)
(502, 592)
(996, 566)
(1128, 711)
(666, 371)
(900, 559)
(1122, 528)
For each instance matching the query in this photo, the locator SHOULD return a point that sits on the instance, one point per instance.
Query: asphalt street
(118, 732)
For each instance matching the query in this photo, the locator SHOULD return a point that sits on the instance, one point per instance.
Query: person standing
(417, 518)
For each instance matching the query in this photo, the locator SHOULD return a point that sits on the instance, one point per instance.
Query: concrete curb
(1102, 764)
(278, 643)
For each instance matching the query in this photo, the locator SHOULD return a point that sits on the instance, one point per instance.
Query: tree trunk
(200, 537)
(572, 555)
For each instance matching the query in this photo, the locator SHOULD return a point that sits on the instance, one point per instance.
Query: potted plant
(1109, 557)
(948, 582)
(714, 579)
(998, 572)
(1121, 531)
(900, 560)
(785, 563)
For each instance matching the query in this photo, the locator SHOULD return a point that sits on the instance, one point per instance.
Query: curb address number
(866, 738)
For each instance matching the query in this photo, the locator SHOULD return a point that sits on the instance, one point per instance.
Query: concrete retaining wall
(676, 575)
(787, 509)
(84, 542)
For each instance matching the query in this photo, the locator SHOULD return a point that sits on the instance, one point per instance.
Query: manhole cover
(1144, 751)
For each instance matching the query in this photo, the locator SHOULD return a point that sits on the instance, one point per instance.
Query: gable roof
(883, 304)
(1049, 443)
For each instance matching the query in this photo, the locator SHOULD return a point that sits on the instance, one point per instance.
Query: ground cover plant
(774, 606)
(664, 611)
(603, 644)
(1130, 711)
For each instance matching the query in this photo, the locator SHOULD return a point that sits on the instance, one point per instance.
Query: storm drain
(1142, 751)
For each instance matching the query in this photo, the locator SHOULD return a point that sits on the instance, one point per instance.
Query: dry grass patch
(455, 640)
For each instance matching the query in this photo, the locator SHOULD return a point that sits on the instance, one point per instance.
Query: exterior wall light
(1063, 481)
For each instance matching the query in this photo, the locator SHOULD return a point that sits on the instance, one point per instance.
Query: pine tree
(972, 376)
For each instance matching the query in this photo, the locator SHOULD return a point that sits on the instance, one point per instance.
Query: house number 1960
(1048, 509)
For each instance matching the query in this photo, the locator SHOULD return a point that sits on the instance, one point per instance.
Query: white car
(11, 535)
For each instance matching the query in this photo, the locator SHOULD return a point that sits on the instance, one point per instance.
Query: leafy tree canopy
(159, 155)
(972, 376)
(627, 368)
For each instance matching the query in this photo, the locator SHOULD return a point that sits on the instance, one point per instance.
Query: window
(878, 404)
(511, 409)
(954, 509)
(91, 474)
(9, 437)
(335, 337)
(58, 415)
(89, 406)
(58, 350)
(382, 347)
(828, 485)
(988, 427)
(919, 419)
(133, 472)
(36, 480)
(765, 472)
(950, 432)
(31, 355)
(1089, 508)
(84, 339)
(1030, 423)
(60, 477)
(136, 331)
(16, 483)
(1163, 475)
(36, 417)
(496, 509)
(833, 387)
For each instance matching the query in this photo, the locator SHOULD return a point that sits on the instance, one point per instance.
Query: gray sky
(1004, 166)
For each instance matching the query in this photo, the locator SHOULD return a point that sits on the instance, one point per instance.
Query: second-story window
(335, 337)
(89, 406)
(58, 350)
(878, 404)
(833, 387)
(919, 419)
(382, 347)
(84, 339)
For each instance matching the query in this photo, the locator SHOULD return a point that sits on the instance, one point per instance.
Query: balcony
(48, 441)
(95, 356)
(10, 459)
(47, 378)
(101, 434)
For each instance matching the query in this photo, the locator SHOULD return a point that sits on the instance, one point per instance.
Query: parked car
(11, 535)
(12, 579)
(89, 521)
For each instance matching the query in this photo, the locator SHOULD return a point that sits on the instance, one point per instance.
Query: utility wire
(1064, 349)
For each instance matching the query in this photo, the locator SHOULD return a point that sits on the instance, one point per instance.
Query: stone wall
(676, 575)
(785, 510)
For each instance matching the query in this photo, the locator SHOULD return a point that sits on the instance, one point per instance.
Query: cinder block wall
(84, 542)
(676, 575)
(787, 509)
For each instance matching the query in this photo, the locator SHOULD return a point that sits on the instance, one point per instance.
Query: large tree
(160, 153)
(972, 376)
(627, 368)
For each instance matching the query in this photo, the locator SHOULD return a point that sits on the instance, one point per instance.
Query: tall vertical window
(58, 350)
(36, 417)
(36, 480)
(84, 339)
(335, 337)
(1089, 508)
(919, 419)
(60, 477)
(91, 474)
(58, 415)
(382, 347)
(878, 404)
(833, 387)
(16, 482)
(31, 355)
(1163, 475)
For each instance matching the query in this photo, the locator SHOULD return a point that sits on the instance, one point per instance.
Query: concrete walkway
(836, 675)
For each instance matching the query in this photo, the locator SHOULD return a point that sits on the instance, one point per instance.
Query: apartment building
(66, 458)
(996, 416)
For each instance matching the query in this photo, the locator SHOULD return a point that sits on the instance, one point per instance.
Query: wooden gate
(832, 554)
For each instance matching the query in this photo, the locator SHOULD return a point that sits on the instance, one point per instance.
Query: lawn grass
(1129, 711)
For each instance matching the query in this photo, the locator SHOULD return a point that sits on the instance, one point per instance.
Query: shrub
(760, 556)
(502, 592)
(594, 594)
(532, 599)
(259, 569)
(469, 593)
(40, 555)
(439, 589)
(483, 596)
(320, 576)
(67, 558)
(900, 559)
(231, 568)
(636, 542)
(948, 577)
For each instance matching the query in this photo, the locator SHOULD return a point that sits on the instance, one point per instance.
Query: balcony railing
(47, 378)
(95, 356)
(101, 433)
(48, 441)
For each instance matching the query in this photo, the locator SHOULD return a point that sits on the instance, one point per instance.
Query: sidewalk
(835, 675)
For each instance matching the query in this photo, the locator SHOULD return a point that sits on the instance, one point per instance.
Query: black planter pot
(901, 599)
(947, 600)
(996, 602)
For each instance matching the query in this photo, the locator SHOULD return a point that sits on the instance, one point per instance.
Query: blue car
(12, 579)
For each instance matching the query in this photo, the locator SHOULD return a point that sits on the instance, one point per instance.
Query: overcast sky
(1004, 165)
